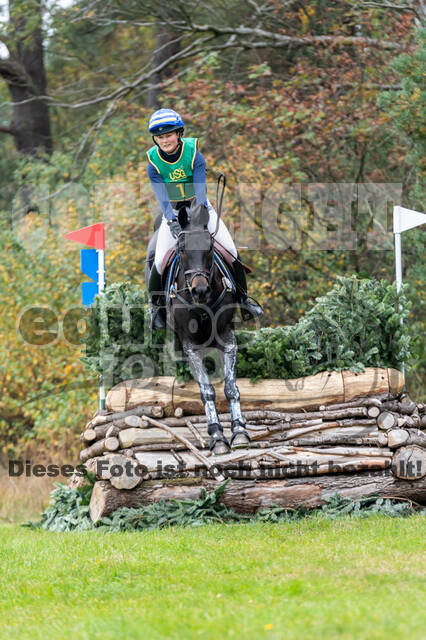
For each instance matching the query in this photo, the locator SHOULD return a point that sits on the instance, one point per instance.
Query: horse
(201, 311)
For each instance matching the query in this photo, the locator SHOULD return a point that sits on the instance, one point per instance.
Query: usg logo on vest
(178, 174)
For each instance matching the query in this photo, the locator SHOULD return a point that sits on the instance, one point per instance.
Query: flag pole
(398, 253)
(398, 261)
(93, 236)
(101, 283)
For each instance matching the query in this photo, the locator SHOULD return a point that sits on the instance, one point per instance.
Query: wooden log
(327, 426)
(96, 449)
(275, 430)
(369, 401)
(135, 437)
(373, 412)
(397, 437)
(130, 394)
(405, 408)
(409, 463)
(122, 471)
(101, 430)
(378, 440)
(396, 381)
(248, 496)
(112, 431)
(371, 381)
(166, 463)
(100, 412)
(267, 416)
(327, 414)
(415, 436)
(408, 421)
(143, 410)
(132, 421)
(386, 420)
(89, 435)
(311, 391)
(111, 443)
(196, 434)
(343, 451)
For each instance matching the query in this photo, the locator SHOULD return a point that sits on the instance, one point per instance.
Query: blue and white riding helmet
(164, 121)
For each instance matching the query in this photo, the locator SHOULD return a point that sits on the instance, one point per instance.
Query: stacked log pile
(363, 439)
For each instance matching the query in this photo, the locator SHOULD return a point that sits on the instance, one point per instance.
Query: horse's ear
(199, 214)
(183, 217)
(204, 215)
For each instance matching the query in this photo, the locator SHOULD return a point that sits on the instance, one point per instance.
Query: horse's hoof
(241, 441)
(220, 449)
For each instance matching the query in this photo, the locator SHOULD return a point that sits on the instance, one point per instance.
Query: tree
(167, 46)
(24, 72)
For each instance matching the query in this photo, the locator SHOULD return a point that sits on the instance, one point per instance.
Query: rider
(177, 171)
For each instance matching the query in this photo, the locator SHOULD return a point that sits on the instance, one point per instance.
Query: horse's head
(195, 250)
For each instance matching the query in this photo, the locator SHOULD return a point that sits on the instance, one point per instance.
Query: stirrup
(250, 308)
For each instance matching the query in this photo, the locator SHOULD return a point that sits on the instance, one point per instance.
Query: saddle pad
(168, 259)
(227, 257)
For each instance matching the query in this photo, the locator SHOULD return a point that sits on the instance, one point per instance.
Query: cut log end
(409, 463)
(386, 420)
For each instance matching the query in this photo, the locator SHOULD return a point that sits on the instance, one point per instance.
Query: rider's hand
(175, 227)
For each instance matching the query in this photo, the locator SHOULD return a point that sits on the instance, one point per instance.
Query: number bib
(177, 175)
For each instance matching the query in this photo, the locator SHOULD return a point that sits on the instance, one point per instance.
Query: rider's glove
(175, 227)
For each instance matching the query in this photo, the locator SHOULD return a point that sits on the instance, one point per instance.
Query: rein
(204, 273)
(208, 275)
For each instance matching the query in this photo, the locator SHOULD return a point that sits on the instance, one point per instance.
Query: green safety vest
(177, 175)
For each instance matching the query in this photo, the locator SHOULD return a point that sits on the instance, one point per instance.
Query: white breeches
(165, 240)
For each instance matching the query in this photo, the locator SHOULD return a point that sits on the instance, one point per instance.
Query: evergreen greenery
(357, 324)
(69, 511)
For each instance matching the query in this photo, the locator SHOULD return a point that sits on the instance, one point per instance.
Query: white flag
(404, 219)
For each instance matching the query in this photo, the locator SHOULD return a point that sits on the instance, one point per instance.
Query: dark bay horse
(200, 311)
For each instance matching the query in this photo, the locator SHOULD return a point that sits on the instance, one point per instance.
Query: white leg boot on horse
(219, 444)
(240, 437)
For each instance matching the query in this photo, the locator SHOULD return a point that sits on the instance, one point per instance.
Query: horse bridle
(227, 286)
(204, 273)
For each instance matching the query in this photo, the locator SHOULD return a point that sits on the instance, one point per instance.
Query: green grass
(322, 579)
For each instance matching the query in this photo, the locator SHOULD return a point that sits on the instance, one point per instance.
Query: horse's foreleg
(240, 437)
(218, 442)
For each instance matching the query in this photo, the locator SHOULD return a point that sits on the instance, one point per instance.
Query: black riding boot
(249, 307)
(156, 305)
